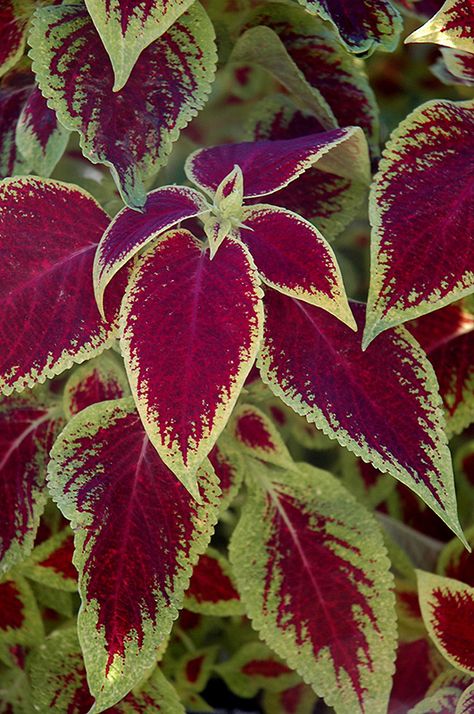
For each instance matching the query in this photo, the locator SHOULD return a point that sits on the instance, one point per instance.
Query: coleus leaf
(181, 308)
(310, 567)
(59, 684)
(413, 675)
(456, 562)
(258, 437)
(29, 424)
(448, 339)
(14, 17)
(443, 701)
(325, 197)
(294, 258)
(363, 25)
(20, 619)
(253, 667)
(454, 67)
(447, 607)
(423, 188)
(130, 231)
(299, 699)
(228, 463)
(212, 590)
(97, 380)
(49, 318)
(39, 136)
(269, 166)
(315, 364)
(420, 8)
(127, 28)
(167, 86)
(193, 671)
(452, 26)
(465, 703)
(51, 564)
(339, 77)
(132, 516)
(13, 95)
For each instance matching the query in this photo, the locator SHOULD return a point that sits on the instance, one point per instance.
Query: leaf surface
(212, 589)
(48, 316)
(185, 314)
(311, 570)
(14, 16)
(424, 188)
(98, 380)
(138, 533)
(382, 404)
(169, 83)
(451, 26)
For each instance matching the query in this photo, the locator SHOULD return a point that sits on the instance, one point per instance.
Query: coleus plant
(200, 416)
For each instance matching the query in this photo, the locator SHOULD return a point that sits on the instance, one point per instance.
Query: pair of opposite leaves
(181, 308)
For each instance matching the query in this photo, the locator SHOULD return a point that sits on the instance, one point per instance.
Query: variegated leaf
(138, 533)
(452, 26)
(40, 138)
(192, 673)
(185, 314)
(423, 189)
(212, 590)
(14, 92)
(257, 436)
(447, 607)
(310, 567)
(363, 25)
(14, 17)
(167, 86)
(328, 199)
(29, 424)
(20, 620)
(465, 703)
(48, 316)
(59, 684)
(98, 380)
(130, 231)
(269, 166)
(51, 564)
(228, 463)
(127, 28)
(456, 562)
(382, 404)
(294, 258)
(454, 67)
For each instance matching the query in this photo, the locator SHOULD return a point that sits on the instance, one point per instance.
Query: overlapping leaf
(269, 166)
(339, 77)
(212, 590)
(185, 314)
(452, 26)
(382, 404)
(456, 562)
(98, 380)
(14, 17)
(422, 242)
(304, 266)
(138, 534)
(127, 28)
(454, 67)
(326, 197)
(39, 136)
(311, 570)
(447, 607)
(48, 316)
(20, 619)
(58, 681)
(130, 231)
(51, 563)
(168, 84)
(14, 92)
(29, 424)
(258, 437)
(363, 25)
(228, 464)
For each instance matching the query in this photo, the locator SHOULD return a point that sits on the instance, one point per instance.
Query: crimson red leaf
(14, 17)
(138, 533)
(451, 26)
(423, 189)
(212, 590)
(310, 568)
(268, 166)
(29, 424)
(48, 316)
(229, 467)
(382, 404)
(257, 436)
(168, 84)
(130, 231)
(20, 619)
(253, 667)
(12, 99)
(185, 314)
(98, 380)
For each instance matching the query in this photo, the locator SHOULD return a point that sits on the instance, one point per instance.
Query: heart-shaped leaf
(167, 86)
(131, 515)
(310, 567)
(382, 404)
(48, 317)
(185, 314)
(424, 188)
